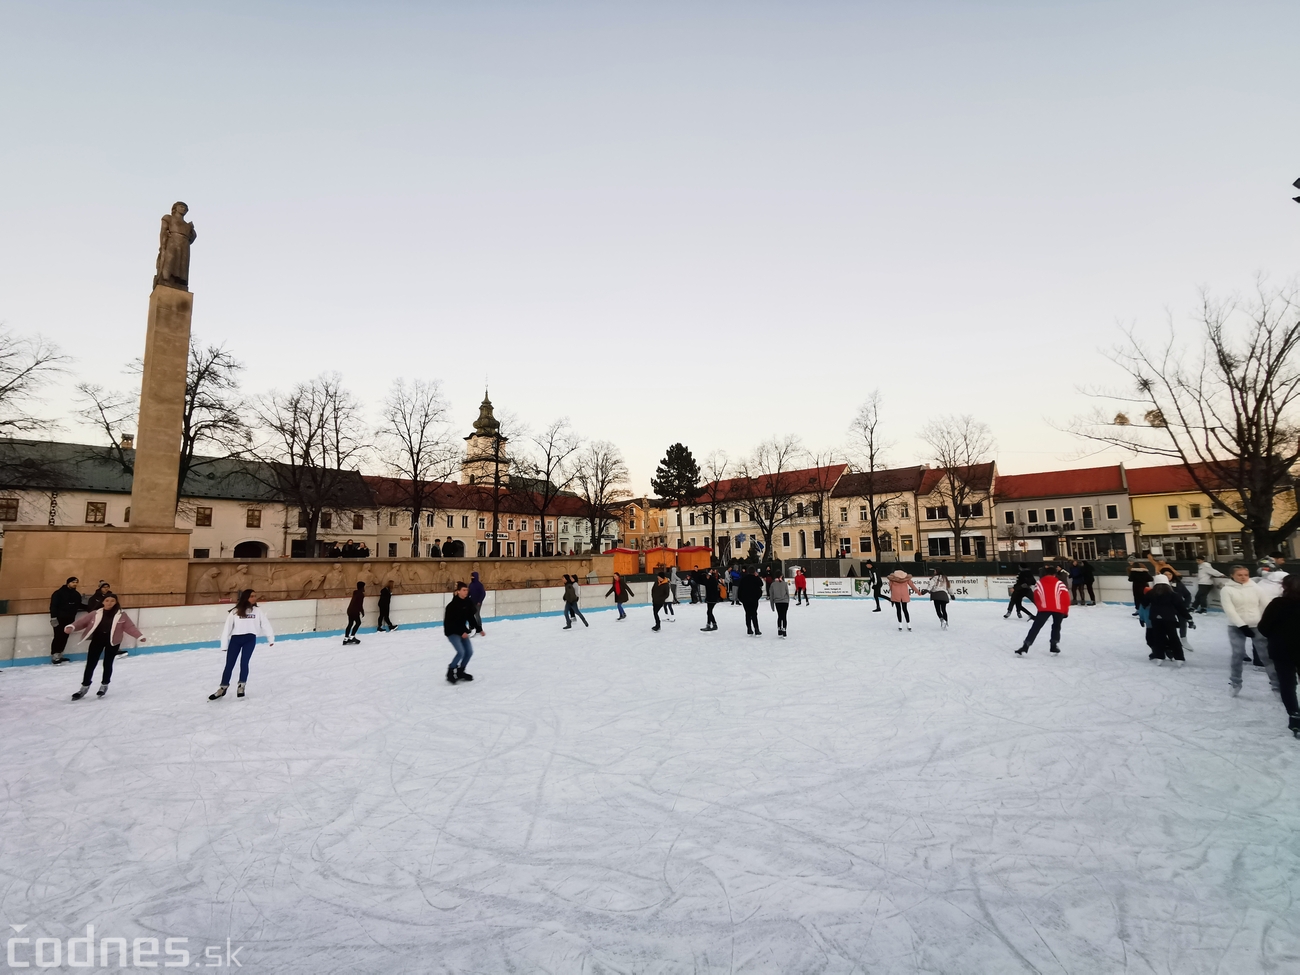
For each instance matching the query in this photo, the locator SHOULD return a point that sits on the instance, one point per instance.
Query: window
(798, 509)
(735, 516)
(785, 511)
(358, 522)
(127, 516)
(510, 524)
(201, 553)
(1067, 514)
(864, 545)
(817, 539)
(661, 524)
(550, 525)
(691, 543)
(973, 545)
(844, 515)
(977, 509)
(904, 511)
(785, 539)
(523, 524)
(1086, 511)
(392, 550)
(862, 513)
(8, 509)
(1009, 517)
(939, 546)
(482, 550)
(1193, 511)
(253, 518)
(302, 518)
(1173, 512)
(1112, 512)
(679, 517)
(692, 517)
(1031, 516)
(1051, 514)
(392, 520)
(815, 509)
(202, 516)
(882, 512)
(886, 543)
(938, 513)
(450, 521)
(510, 549)
(327, 519)
(482, 524)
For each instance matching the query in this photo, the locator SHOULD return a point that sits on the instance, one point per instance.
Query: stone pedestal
(162, 409)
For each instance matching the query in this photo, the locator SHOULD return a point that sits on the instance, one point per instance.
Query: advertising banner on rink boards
(969, 587)
(831, 587)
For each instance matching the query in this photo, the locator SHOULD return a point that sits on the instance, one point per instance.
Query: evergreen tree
(677, 479)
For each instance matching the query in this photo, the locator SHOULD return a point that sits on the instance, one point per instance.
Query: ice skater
(1280, 625)
(1243, 603)
(477, 595)
(1166, 612)
(778, 594)
(1206, 573)
(385, 603)
(1024, 586)
(65, 604)
(940, 596)
(460, 617)
(659, 594)
(873, 577)
(621, 593)
(239, 637)
(356, 610)
(571, 611)
(104, 629)
(750, 592)
(901, 588)
(712, 596)
(1052, 597)
(800, 587)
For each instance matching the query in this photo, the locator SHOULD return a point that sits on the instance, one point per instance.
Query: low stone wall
(26, 639)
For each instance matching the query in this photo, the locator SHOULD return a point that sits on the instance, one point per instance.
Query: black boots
(461, 675)
(451, 675)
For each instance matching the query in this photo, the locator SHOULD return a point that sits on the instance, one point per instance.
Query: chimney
(128, 441)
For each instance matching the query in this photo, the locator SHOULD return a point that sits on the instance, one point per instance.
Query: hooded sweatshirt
(477, 593)
(1243, 602)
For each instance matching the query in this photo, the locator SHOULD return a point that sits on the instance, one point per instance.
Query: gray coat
(778, 591)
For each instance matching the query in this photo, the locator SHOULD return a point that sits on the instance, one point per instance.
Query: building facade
(1081, 514)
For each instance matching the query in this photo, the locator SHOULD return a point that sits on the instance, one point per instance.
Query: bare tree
(867, 459)
(713, 495)
(600, 473)
(27, 363)
(1226, 407)
(766, 484)
(543, 469)
(960, 446)
(307, 441)
(417, 449)
(822, 478)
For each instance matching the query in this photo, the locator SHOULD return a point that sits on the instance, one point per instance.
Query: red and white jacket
(1051, 595)
(121, 625)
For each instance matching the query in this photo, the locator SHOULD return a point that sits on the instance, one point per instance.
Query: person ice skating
(712, 596)
(1140, 577)
(873, 576)
(1088, 576)
(1020, 590)
(356, 610)
(621, 592)
(238, 638)
(1205, 576)
(778, 593)
(1166, 611)
(659, 593)
(571, 611)
(670, 612)
(1270, 579)
(901, 588)
(477, 594)
(460, 618)
(751, 591)
(1052, 598)
(1185, 597)
(1280, 625)
(800, 587)
(385, 603)
(733, 588)
(1243, 603)
(104, 628)
(940, 596)
(96, 599)
(65, 604)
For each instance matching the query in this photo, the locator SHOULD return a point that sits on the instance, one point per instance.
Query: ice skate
(103, 689)
(1179, 663)
(909, 627)
(451, 675)
(1022, 650)
(655, 628)
(1007, 615)
(900, 627)
(81, 692)
(58, 658)
(568, 626)
(221, 692)
(1236, 689)
(1293, 723)
(1053, 649)
(461, 675)
(239, 691)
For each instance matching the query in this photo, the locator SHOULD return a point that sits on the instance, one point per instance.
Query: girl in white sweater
(239, 637)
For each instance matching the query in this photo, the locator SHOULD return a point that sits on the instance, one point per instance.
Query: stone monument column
(154, 488)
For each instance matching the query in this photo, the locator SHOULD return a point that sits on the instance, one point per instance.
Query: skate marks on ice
(848, 799)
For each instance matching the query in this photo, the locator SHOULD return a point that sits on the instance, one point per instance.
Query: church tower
(485, 449)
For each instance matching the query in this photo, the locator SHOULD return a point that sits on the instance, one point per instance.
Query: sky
(701, 222)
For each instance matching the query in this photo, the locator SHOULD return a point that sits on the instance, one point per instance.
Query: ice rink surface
(850, 799)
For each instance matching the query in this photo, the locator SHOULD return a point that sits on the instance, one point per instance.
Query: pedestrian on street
(1280, 625)
(1052, 598)
(1243, 603)
(459, 618)
(778, 594)
(800, 587)
(751, 591)
(385, 603)
(65, 604)
(621, 593)
(901, 588)
(104, 629)
(1206, 573)
(239, 638)
(356, 610)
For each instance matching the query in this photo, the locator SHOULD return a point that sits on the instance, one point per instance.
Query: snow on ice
(850, 799)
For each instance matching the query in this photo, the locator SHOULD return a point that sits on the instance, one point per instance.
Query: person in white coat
(1205, 576)
(1270, 580)
(1243, 603)
(239, 637)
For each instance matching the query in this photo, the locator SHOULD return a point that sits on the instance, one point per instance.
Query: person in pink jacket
(104, 628)
(901, 588)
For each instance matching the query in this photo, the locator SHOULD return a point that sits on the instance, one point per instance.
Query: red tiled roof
(897, 480)
(978, 477)
(1061, 484)
(810, 479)
(1168, 479)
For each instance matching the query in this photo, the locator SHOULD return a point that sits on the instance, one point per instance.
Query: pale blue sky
(668, 221)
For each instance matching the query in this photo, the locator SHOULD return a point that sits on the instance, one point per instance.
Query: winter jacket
(356, 604)
(121, 625)
(570, 593)
(1139, 575)
(713, 590)
(1270, 583)
(1086, 575)
(1243, 603)
(779, 591)
(1025, 581)
(620, 590)
(939, 593)
(659, 593)
(1280, 624)
(734, 576)
(800, 581)
(65, 603)
(1206, 574)
(255, 622)
(1051, 595)
(96, 600)
(750, 589)
(476, 590)
(1165, 605)
(385, 597)
(460, 617)
(900, 590)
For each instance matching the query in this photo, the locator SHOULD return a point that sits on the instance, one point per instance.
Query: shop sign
(1184, 526)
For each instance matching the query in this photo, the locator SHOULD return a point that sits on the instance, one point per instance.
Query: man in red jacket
(800, 587)
(1052, 597)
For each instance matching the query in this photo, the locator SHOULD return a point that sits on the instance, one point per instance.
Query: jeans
(92, 658)
(1237, 641)
(1039, 622)
(464, 650)
(621, 614)
(240, 648)
(571, 613)
(1202, 597)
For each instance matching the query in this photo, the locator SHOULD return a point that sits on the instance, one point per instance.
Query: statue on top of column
(174, 249)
